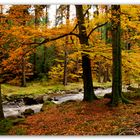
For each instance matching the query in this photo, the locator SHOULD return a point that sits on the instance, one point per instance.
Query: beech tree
(117, 96)
(89, 94)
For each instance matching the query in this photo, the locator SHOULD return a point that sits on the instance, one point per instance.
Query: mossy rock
(132, 95)
(47, 104)
(5, 125)
(133, 88)
(18, 121)
(108, 95)
(70, 101)
(28, 112)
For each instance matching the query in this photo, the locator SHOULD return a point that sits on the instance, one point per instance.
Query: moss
(47, 104)
(44, 88)
(132, 95)
(7, 124)
(20, 131)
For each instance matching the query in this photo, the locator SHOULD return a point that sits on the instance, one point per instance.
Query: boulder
(108, 95)
(132, 88)
(49, 99)
(55, 99)
(80, 90)
(46, 104)
(45, 98)
(29, 101)
(28, 112)
(12, 117)
(39, 99)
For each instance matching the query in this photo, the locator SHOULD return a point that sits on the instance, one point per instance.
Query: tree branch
(96, 28)
(47, 40)
(87, 10)
(51, 39)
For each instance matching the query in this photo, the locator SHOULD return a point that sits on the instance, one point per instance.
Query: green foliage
(40, 64)
(20, 131)
(48, 103)
(56, 73)
(132, 95)
(44, 87)
(5, 126)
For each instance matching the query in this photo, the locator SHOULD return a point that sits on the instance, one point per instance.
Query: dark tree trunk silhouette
(44, 70)
(1, 108)
(117, 96)
(34, 54)
(23, 83)
(86, 64)
(65, 80)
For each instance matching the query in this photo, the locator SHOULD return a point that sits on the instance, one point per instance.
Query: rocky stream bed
(20, 105)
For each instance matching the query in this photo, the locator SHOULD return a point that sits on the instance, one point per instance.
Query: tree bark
(99, 72)
(77, 68)
(23, 73)
(45, 49)
(65, 67)
(86, 64)
(65, 80)
(34, 54)
(1, 108)
(117, 96)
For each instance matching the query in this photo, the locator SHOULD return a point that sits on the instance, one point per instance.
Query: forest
(69, 70)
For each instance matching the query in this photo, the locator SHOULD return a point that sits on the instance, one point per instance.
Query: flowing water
(15, 110)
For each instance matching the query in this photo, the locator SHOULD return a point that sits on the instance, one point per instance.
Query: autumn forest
(69, 70)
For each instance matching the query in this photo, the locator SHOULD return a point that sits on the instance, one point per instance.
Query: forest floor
(82, 118)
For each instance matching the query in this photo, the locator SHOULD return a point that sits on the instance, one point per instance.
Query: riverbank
(82, 118)
(14, 105)
(68, 108)
(16, 99)
(45, 87)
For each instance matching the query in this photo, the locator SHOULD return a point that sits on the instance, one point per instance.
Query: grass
(44, 87)
(104, 85)
(7, 124)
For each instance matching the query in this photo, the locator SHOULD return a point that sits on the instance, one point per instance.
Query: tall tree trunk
(66, 51)
(1, 108)
(45, 49)
(34, 63)
(99, 72)
(106, 26)
(106, 77)
(65, 66)
(117, 96)
(86, 64)
(117, 64)
(23, 84)
(77, 68)
(44, 61)
(106, 72)
(34, 54)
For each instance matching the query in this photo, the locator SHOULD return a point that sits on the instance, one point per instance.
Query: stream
(16, 110)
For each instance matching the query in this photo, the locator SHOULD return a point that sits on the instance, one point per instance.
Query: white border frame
(69, 2)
